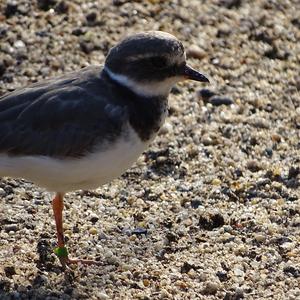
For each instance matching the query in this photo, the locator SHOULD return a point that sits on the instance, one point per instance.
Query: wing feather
(59, 118)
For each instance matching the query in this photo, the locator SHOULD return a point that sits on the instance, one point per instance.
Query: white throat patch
(150, 89)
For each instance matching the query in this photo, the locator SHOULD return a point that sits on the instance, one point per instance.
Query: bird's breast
(106, 162)
(147, 118)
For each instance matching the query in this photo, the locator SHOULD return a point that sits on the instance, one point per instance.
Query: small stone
(211, 288)
(94, 218)
(239, 293)
(216, 181)
(277, 185)
(2, 192)
(211, 222)
(205, 94)
(206, 140)
(79, 31)
(139, 231)
(19, 44)
(276, 171)
(46, 4)
(238, 272)
(181, 284)
(276, 138)
(187, 267)
(165, 294)
(209, 140)
(172, 237)
(93, 230)
(195, 203)
(224, 30)
(11, 228)
(87, 47)
(9, 271)
(291, 270)
(222, 275)
(3, 32)
(269, 152)
(176, 90)
(62, 7)
(40, 280)
(293, 172)
(231, 3)
(275, 53)
(146, 282)
(161, 159)
(253, 166)
(166, 128)
(218, 100)
(102, 296)
(91, 17)
(288, 246)
(11, 8)
(195, 51)
(260, 237)
(119, 2)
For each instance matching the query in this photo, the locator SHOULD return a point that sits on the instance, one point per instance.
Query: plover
(81, 130)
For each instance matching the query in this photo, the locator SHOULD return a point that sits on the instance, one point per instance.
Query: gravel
(212, 209)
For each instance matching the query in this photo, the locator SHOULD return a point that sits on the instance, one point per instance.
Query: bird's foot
(62, 254)
(83, 261)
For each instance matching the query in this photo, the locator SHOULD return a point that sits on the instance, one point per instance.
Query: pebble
(94, 218)
(91, 17)
(260, 237)
(218, 100)
(93, 230)
(46, 4)
(253, 165)
(195, 51)
(216, 181)
(139, 231)
(9, 271)
(238, 272)
(62, 7)
(11, 228)
(167, 128)
(288, 246)
(2, 192)
(205, 94)
(231, 3)
(211, 288)
(11, 8)
(165, 294)
(19, 44)
(102, 296)
(146, 282)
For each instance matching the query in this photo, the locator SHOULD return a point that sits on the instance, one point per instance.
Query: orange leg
(58, 206)
(61, 251)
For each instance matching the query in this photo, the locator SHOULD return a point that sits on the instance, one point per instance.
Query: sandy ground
(211, 210)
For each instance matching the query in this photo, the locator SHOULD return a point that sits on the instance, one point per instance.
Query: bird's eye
(159, 62)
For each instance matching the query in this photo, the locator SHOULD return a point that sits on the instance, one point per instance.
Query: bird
(85, 128)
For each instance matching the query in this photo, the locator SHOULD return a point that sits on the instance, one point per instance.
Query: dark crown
(146, 56)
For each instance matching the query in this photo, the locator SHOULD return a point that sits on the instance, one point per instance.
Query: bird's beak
(190, 73)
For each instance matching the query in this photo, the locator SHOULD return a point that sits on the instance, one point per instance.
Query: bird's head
(150, 63)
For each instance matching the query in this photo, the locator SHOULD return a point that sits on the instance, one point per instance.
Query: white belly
(89, 172)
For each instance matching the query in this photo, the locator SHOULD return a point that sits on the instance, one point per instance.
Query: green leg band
(61, 252)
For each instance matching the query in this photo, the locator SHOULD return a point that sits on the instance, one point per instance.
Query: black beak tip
(192, 74)
(204, 79)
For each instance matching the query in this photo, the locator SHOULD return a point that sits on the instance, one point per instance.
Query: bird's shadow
(41, 287)
(64, 284)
